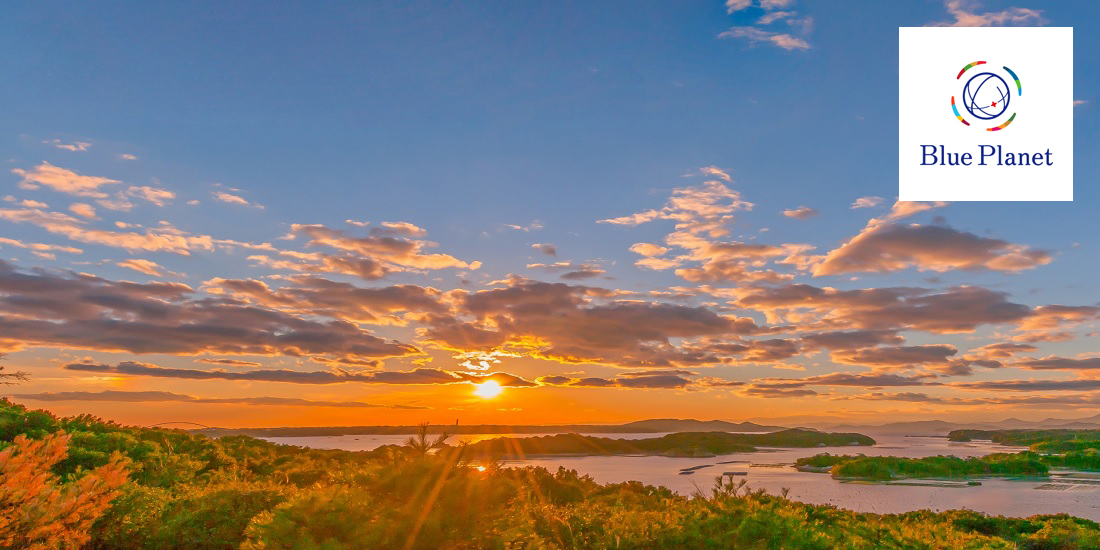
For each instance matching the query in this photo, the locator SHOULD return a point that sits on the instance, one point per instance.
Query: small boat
(735, 473)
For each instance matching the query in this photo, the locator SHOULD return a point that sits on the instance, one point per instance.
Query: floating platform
(693, 468)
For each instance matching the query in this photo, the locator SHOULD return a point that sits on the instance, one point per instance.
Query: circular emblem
(986, 96)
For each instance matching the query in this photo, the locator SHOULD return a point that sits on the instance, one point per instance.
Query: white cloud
(867, 202)
(534, 226)
(716, 172)
(154, 195)
(74, 146)
(800, 213)
(965, 16)
(755, 35)
(737, 5)
(233, 199)
(774, 16)
(802, 26)
(546, 248)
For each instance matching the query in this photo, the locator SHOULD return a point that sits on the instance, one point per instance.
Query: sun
(488, 389)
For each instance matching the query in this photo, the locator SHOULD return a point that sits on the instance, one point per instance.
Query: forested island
(1025, 437)
(691, 444)
(888, 468)
(81, 482)
(1047, 449)
(1072, 449)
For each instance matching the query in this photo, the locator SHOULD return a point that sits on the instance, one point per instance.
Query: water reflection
(771, 470)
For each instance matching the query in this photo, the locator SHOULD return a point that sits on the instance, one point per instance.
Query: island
(683, 444)
(890, 468)
(1068, 449)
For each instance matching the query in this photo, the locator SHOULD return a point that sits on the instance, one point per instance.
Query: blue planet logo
(986, 96)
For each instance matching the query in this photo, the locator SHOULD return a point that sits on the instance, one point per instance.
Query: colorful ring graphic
(1019, 87)
(1019, 92)
(1002, 126)
(956, 109)
(974, 64)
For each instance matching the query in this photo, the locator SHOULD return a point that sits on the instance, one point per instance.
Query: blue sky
(492, 128)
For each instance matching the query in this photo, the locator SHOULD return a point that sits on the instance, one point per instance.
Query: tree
(421, 443)
(9, 378)
(37, 510)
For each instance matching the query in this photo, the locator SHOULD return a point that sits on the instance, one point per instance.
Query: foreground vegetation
(887, 468)
(691, 444)
(82, 481)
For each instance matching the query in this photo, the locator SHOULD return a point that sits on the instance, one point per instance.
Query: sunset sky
(265, 214)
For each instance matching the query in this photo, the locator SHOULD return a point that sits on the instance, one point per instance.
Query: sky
(281, 214)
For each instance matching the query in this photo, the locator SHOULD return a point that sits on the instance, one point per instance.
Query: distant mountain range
(941, 427)
(657, 425)
(671, 425)
(688, 425)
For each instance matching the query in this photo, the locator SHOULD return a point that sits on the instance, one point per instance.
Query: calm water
(771, 470)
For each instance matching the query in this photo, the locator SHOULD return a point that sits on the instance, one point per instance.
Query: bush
(37, 509)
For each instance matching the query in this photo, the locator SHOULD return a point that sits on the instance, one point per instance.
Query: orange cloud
(801, 213)
(83, 210)
(65, 181)
(230, 198)
(885, 246)
(143, 266)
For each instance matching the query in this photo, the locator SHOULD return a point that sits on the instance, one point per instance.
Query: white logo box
(1031, 159)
